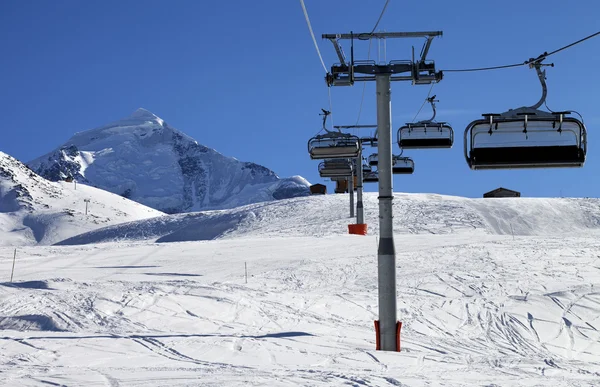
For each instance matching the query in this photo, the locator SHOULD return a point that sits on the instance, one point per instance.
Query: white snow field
(34, 210)
(479, 305)
(328, 215)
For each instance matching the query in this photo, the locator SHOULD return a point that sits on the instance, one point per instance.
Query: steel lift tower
(419, 71)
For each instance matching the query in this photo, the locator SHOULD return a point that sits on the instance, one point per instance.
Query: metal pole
(13, 268)
(351, 192)
(386, 254)
(246, 270)
(360, 215)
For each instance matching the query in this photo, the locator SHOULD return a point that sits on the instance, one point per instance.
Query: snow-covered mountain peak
(144, 114)
(143, 158)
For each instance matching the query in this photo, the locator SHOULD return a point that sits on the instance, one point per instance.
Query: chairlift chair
(426, 134)
(526, 138)
(402, 165)
(335, 168)
(373, 159)
(333, 144)
(371, 177)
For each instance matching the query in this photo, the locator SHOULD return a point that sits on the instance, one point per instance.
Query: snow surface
(144, 159)
(479, 306)
(34, 210)
(325, 215)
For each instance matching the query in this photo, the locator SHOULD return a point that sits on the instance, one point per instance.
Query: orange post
(398, 327)
(358, 229)
(377, 344)
(377, 340)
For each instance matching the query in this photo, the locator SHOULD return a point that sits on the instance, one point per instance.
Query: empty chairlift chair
(333, 144)
(402, 165)
(426, 134)
(373, 159)
(335, 168)
(526, 138)
(371, 177)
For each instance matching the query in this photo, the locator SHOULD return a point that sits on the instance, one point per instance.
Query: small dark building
(69, 179)
(318, 189)
(502, 193)
(341, 186)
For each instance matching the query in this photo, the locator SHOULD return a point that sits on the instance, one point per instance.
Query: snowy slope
(34, 210)
(142, 158)
(477, 310)
(328, 215)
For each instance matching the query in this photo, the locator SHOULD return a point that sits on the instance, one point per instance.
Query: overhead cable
(312, 34)
(527, 62)
(362, 98)
(424, 102)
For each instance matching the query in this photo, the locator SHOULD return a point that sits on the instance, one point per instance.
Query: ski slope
(479, 306)
(34, 210)
(328, 215)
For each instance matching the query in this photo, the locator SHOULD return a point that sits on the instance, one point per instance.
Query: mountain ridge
(34, 210)
(142, 158)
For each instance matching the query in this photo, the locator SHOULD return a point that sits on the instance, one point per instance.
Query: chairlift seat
(332, 145)
(519, 142)
(371, 177)
(402, 166)
(335, 168)
(425, 136)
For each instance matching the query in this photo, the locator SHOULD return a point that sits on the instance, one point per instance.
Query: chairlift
(371, 177)
(335, 168)
(333, 144)
(426, 134)
(373, 159)
(402, 165)
(526, 137)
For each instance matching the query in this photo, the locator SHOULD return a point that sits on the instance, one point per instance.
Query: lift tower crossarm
(383, 35)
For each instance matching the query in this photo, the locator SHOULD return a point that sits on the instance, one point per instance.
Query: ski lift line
(318, 53)
(545, 55)
(312, 34)
(424, 102)
(380, 16)
(527, 62)
(330, 104)
(362, 98)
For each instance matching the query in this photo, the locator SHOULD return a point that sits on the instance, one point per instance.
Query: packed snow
(491, 292)
(327, 215)
(34, 210)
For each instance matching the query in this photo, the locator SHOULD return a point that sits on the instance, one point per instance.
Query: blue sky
(244, 77)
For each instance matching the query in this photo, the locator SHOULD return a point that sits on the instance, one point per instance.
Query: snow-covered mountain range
(34, 210)
(144, 159)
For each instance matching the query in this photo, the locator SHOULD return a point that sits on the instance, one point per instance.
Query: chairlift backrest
(333, 144)
(525, 138)
(402, 165)
(425, 135)
(335, 168)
